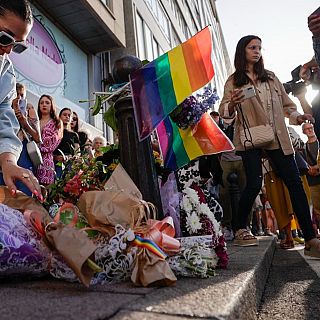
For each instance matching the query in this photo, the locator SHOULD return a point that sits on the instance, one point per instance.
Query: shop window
(140, 38)
(155, 46)
(160, 15)
(148, 43)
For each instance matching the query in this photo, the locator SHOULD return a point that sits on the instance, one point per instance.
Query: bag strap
(25, 134)
(246, 128)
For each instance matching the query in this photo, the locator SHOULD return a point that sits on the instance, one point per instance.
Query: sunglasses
(7, 40)
(74, 119)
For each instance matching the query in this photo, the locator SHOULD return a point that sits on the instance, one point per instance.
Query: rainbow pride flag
(162, 84)
(179, 147)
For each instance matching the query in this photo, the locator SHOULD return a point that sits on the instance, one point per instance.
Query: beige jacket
(255, 113)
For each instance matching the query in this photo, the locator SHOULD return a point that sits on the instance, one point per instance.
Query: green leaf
(110, 118)
(97, 106)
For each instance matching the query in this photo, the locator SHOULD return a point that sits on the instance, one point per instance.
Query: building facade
(64, 55)
(156, 26)
(74, 43)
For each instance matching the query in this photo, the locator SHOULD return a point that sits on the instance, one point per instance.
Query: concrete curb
(246, 305)
(233, 294)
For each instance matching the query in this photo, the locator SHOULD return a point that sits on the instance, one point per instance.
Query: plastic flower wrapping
(190, 111)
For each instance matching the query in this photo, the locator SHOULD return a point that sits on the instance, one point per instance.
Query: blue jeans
(287, 170)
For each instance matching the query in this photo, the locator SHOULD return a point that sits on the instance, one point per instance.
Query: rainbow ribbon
(150, 245)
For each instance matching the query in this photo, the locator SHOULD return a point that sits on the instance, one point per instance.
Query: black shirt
(83, 137)
(67, 143)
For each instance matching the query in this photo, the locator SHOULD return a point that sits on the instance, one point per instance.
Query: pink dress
(51, 137)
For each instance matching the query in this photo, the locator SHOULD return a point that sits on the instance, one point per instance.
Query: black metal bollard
(235, 194)
(135, 156)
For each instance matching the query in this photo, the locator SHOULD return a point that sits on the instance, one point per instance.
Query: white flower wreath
(191, 205)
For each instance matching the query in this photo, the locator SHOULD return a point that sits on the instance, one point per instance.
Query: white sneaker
(227, 234)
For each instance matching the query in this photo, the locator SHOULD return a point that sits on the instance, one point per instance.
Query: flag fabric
(179, 147)
(159, 86)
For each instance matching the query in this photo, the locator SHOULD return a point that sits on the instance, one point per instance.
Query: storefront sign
(41, 63)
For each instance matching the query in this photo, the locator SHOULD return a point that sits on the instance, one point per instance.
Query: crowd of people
(255, 123)
(58, 137)
(278, 175)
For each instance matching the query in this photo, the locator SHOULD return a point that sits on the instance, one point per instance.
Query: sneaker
(227, 234)
(244, 238)
(268, 233)
(298, 240)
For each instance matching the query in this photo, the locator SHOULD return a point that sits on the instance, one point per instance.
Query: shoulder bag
(33, 151)
(255, 137)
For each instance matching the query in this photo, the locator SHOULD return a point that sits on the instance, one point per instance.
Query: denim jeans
(287, 170)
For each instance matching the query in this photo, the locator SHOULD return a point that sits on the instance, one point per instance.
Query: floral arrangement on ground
(198, 220)
(82, 174)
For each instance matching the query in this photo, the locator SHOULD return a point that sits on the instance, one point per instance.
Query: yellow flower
(112, 166)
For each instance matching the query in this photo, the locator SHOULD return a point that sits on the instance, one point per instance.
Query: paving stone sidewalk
(234, 293)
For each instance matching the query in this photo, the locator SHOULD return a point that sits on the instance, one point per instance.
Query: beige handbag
(256, 137)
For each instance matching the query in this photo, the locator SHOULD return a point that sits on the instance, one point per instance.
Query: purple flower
(190, 111)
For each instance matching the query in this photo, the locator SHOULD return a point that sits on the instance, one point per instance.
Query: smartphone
(248, 92)
(23, 106)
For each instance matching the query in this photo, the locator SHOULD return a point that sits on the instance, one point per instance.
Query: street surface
(293, 287)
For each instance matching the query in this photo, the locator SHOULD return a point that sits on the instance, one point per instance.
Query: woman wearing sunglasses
(83, 137)
(15, 24)
(266, 108)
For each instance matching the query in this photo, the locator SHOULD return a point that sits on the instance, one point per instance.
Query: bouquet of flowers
(190, 111)
(195, 259)
(197, 219)
(82, 174)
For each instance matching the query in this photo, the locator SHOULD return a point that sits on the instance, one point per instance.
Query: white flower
(186, 204)
(192, 194)
(193, 223)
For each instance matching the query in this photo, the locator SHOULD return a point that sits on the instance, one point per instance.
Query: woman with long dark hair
(51, 134)
(264, 110)
(69, 144)
(74, 126)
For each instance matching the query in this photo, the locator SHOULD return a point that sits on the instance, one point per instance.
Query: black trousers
(286, 168)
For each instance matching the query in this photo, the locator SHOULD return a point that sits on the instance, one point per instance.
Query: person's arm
(10, 149)
(305, 69)
(231, 97)
(314, 27)
(301, 96)
(29, 123)
(290, 109)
